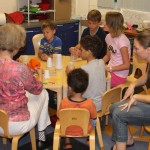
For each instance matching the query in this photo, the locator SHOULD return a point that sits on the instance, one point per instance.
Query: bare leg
(120, 146)
(67, 144)
(67, 140)
(130, 138)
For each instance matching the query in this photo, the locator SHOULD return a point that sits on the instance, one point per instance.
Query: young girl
(118, 49)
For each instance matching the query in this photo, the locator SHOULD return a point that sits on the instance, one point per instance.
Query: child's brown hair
(48, 24)
(114, 21)
(94, 15)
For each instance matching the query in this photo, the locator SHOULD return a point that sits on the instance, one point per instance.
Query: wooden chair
(108, 80)
(137, 64)
(36, 42)
(110, 97)
(142, 137)
(73, 116)
(15, 138)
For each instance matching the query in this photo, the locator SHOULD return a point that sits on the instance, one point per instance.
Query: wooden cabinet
(59, 10)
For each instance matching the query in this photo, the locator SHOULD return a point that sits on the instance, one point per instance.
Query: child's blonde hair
(114, 21)
(94, 15)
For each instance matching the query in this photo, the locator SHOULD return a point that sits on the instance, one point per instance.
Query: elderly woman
(136, 110)
(21, 95)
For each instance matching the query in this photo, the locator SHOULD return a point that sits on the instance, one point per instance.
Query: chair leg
(56, 137)
(15, 142)
(106, 121)
(33, 139)
(99, 134)
(92, 139)
(149, 146)
(145, 89)
(141, 131)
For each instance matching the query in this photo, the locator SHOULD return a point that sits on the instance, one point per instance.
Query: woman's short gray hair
(12, 37)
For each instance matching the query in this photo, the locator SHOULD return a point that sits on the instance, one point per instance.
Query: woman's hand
(39, 72)
(128, 105)
(129, 92)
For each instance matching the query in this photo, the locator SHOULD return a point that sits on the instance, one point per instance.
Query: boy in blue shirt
(50, 43)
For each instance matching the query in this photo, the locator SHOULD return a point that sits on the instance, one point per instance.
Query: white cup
(54, 60)
(49, 62)
(58, 63)
(46, 74)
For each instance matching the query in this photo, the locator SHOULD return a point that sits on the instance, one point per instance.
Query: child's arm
(126, 61)
(42, 55)
(106, 58)
(75, 50)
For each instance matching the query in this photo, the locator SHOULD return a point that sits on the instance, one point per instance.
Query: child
(91, 47)
(94, 19)
(50, 44)
(77, 83)
(118, 49)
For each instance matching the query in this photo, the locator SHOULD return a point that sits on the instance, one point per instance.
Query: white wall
(8, 6)
(81, 7)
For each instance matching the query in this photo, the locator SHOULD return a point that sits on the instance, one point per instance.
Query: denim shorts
(138, 114)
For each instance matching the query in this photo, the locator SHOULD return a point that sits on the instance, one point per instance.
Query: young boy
(91, 47)
(50, 44)
(77, 83)
(94, 19)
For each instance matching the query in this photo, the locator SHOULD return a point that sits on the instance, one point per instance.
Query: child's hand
(107, 68)
(44, 57)
(75, 52)
(68, 69)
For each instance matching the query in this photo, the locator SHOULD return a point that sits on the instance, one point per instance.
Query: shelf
(40, 12)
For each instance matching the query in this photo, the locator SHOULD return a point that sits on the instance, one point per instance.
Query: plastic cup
(46, 74)
(58, 63)
(49, 62)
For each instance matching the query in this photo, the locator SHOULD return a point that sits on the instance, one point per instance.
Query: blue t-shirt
(54, 46)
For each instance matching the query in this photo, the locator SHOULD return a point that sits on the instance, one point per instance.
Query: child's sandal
(67, 146)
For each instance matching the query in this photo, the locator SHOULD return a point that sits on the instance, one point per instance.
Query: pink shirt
(15, 78)
(116, 58)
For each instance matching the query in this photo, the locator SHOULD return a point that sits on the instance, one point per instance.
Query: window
(143, 5)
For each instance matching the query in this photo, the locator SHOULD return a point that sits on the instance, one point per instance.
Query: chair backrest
(74, 116)
(138, 64)
(110, 97)
(4, 123)
(147, 128)
(36, 42)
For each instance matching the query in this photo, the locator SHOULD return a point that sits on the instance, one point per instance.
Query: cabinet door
(68, 33)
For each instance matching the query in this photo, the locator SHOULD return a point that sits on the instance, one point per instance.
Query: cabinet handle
(31, 31)
(76, 31)
(59, 25)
